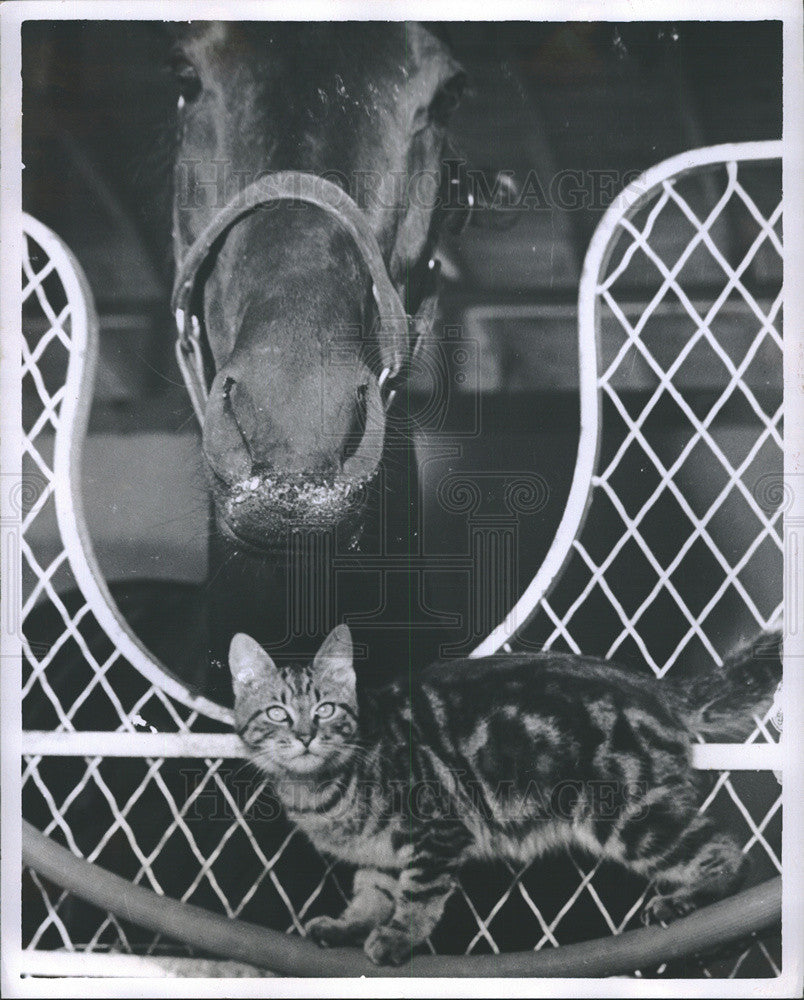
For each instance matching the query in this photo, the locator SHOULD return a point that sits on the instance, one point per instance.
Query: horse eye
(277, 714)
(447, 100)
(325, 710)
(185, 75)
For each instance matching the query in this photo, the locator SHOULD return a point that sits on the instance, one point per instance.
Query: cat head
(297, 720)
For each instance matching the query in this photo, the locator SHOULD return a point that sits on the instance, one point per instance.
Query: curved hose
(707, 929)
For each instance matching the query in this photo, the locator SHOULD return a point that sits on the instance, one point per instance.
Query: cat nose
(305, 739)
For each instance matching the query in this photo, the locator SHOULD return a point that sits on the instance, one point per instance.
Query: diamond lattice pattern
(682, 537)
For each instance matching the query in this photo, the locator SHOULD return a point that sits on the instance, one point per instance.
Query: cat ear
(336, 657)
(336, 646)
(248, 662)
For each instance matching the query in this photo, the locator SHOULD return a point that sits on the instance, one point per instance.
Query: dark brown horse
(294, 361)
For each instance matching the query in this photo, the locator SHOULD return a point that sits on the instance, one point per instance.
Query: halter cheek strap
(397, 346)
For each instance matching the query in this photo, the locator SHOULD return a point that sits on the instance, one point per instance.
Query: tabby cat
(502, 757)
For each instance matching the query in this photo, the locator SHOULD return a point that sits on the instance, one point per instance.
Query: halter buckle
(387, 387)
(190, 357)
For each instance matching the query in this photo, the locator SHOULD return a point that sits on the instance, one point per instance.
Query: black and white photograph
(402, 499)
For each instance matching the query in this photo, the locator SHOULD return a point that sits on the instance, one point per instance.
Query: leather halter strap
(396, 349)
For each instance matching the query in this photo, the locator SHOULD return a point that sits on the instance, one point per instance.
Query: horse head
(295, 349)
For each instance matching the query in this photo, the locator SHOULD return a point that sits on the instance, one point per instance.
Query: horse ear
(249, 662)
(436, 79)
(335, 659)
(429, 41)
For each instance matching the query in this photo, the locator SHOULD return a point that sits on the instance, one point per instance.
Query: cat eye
(277, 714)
(325, 710)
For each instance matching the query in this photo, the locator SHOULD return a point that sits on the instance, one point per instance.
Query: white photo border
(12, 15)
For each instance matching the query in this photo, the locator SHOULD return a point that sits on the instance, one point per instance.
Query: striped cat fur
(503, 757)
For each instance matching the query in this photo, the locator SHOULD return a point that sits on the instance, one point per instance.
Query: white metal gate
(153, 792)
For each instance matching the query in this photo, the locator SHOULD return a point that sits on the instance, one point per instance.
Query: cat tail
(723, 701)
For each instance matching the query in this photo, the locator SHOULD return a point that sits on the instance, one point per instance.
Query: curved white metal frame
(626, 204)
(70, 434)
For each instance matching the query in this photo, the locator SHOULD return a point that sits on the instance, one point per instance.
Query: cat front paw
(388, 946)
(664, 909)
(329, 932)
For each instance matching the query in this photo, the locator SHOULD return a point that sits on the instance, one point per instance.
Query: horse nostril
(229, 385)
(362, 406)
(358, 425)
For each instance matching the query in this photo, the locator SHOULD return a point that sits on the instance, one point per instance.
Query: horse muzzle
(256, 502)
